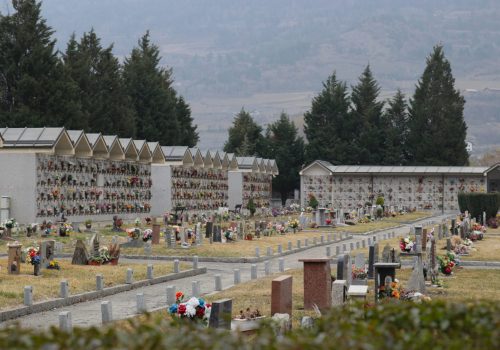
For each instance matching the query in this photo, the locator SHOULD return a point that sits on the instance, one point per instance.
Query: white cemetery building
(422, 187)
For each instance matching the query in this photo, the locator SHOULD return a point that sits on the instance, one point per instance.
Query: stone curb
(79, 298)
(463, 263)
(376, 231)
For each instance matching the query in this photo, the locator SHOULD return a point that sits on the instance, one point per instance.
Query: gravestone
(80, 255)
(448, 244)
(217, 234)
(453, 228)
(199, 237)
(344, 268)
(14, 259)
(381, 271)
(386, 253)
(94, 245)
(418, 239)
(209, 229)
(133, 243)
(359, 261)
(339, 292)
(317, 283)
(220, 315)
(372, 259)
(156, 234)
(417, 281)
(281, 295)
(47, 250)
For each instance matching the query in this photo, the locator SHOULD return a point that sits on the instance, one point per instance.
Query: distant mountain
(273, 55)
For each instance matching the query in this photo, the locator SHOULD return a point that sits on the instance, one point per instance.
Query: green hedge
(476, 203)
(435, 325)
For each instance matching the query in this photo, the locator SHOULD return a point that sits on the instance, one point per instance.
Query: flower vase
(113, 261)
(36, 269)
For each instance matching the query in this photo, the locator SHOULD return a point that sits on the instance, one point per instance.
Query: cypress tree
(245, 136)
(396, 131)
(328, 127)
(367, 114)
(437, 127)
(188, 136)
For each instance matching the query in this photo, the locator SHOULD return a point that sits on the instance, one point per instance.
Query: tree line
(357, 127)
(86, 87)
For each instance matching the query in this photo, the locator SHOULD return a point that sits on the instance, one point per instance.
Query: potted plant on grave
(251, 207)
(114, 253)
(294, 224)
(88, 224)
(147, 235)
(249, 236)
(95, 260)
(54, 265)
(33, 258)
(406, 244)
(359, 275)
(248, 320)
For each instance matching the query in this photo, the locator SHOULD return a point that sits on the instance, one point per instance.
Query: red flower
(200, 311)
(181, 309)
(178, 295)
(447, 270)
(451, 264)
(208, 306)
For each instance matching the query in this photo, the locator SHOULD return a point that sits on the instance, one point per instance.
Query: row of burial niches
(258, 187)
(81, 186)
(198, 188)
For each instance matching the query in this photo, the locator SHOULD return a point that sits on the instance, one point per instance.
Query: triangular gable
(156, 153)
(321, 166)
(269, 166)
(233, 162)
(115, 148)
(145, 155)
(207, 160)
(131, 152)
(216, 159)
(224, 160)
(80, 143)
(63, 144)
(198, 160)
(178, 155)
(260, 164)
(1, 140)
(274, 165)
(99, 148)
(492, 168)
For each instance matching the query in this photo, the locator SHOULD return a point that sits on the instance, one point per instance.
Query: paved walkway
(124, 304)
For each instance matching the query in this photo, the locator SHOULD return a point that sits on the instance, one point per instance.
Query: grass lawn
(488, 249)
(80, 279)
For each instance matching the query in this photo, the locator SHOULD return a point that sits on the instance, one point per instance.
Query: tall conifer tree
(396, 131)
(437, 127)
(245, 136)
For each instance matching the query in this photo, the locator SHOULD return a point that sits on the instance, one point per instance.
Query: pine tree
(32, 87)
(245, 136)
(188, 136)
(287, 148)
(396, 131)
(367, 114)
(105, 104)
(437, 127)
(150, 89)
(328, 127)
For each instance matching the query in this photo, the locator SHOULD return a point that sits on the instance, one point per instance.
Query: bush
(434, 325)
(380, 201)
(251, 207)
(475, 203)
(313, 202)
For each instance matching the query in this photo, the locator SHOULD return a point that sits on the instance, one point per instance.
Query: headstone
(339, 290)
(381, 271)
(47, 250)
(372, 259)
(209, 229)
(433, 261)
(357, 293)
(220, 316)
(156, 234)
(94, 245)
(168, 238)
(306, 322)
(386, 253)
(418, 239)
(199, 237)
(317, 283)
(14, 259)
(217, 236)
(359, 261)
(281, 295)
(484, 219)
(80, 255)
(453, 226)
(448, 244)
(417, 281)
(282, 324)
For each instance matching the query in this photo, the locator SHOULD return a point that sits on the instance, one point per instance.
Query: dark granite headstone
(80, 256)
(209, 229)
(220, 316)
(372, 258)
(217, 234)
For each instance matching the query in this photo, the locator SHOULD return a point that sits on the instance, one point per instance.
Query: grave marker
(281, 295)
(220, 316)
(317, 283)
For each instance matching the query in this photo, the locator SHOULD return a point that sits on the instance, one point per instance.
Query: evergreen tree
(106, 106)
(150, 89)
(188, 136)
(32, 86)
(396, 131)
(328, 127)
(367, 114)
(437, 127)
(245, 136)
(285, 146)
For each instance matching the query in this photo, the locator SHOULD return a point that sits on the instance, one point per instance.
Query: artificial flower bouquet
(134, 233)
(33, 255)
(147, 235)
(294, 224)
(447, 263)
(393, 290)
(359, 273)
(406, 244)
(195, 309)
(54, 265)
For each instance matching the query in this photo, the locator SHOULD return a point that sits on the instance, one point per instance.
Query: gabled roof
(56, 139)
(207, 159)
(156, 152)
(131, 152)
(321, 163)
(198, 159)
(233, 161)
(114, 146)
(80, 143)
(99, 148)
(216, 159)
(274, 167)
(145, 154)
(248, 163)
(180, 154)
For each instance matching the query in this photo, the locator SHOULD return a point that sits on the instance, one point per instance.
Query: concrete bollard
(65, 323)
(170, 295)
(64, 289)
(106, 312)
(290, 247)
(257, 252)
(99, 282)
(218, 282)
(298, 244)
(150, 272)
(335, 237)
(280, 249)
(337, 250)
(237, 276)
(195, 286)
(141, 303)
(344, 247)
(195, 262)
(329, 237)
(269, 251)
(253, 272)
(176, 266)
(28, 295)
(328, 251)
(281, 264)
(306, 242)
(363, 244)
(267, 268)
(385, 236)
(357, 245)
(322, 239)
(369, 241)
(130, 276)
(351, 246)
(374, 239)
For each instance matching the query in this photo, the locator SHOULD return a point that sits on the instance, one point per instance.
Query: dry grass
(368, 227)
(80, 279)
(488, 249)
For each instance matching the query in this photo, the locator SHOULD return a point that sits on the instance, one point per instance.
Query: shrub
(475, 203)
(313, 202)
(434, 325)
(251, 207)
(380, 201)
